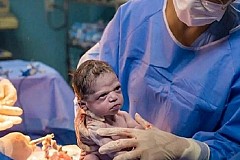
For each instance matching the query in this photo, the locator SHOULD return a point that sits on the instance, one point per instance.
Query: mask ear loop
(224, 6)
(203, 5)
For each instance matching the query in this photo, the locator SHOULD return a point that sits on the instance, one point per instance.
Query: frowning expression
(107, 98)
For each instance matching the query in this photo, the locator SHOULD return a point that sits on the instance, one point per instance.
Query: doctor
(13, 145)
(178, 63)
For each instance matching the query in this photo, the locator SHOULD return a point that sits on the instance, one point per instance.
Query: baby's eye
(118, 88)
(102, 96)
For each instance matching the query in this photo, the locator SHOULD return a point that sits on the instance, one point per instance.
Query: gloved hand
(151, 144)
(9, 116)
(16, 146)
(8, 93)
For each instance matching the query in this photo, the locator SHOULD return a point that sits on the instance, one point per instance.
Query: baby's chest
(120, 122)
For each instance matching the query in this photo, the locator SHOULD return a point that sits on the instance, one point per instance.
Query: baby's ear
(83, 104)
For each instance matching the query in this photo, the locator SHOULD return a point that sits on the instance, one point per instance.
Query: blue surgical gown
(3, 157)
(189, 91)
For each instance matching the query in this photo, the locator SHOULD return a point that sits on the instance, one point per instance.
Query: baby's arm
(99, 140)
(93, 125)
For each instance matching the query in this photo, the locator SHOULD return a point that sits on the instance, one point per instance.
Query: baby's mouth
(115, 107)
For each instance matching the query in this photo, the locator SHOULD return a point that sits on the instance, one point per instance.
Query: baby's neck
(110, 119)
(107, 118)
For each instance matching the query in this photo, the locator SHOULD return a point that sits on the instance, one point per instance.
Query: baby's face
(108, 98)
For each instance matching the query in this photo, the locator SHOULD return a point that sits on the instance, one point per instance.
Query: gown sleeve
(225, 141)
(92, 53)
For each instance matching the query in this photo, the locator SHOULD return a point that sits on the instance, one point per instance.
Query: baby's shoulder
(122, 113)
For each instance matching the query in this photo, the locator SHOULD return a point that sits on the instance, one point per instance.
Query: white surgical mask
(199, 12)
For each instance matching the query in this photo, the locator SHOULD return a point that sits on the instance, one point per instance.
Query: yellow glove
(152, 144)
(8, 93)
(16, 146)
(9, 116)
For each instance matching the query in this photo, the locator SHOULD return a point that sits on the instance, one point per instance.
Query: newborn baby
(100, 99)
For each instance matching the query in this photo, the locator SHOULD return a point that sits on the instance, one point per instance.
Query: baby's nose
(112, 96)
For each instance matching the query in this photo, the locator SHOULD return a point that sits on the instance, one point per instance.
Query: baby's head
(97, 88)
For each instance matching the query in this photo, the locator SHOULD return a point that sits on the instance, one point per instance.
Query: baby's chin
(115, 108)
(112, 113)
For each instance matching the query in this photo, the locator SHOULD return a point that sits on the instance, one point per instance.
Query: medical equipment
(31, 70)
(4, 73)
